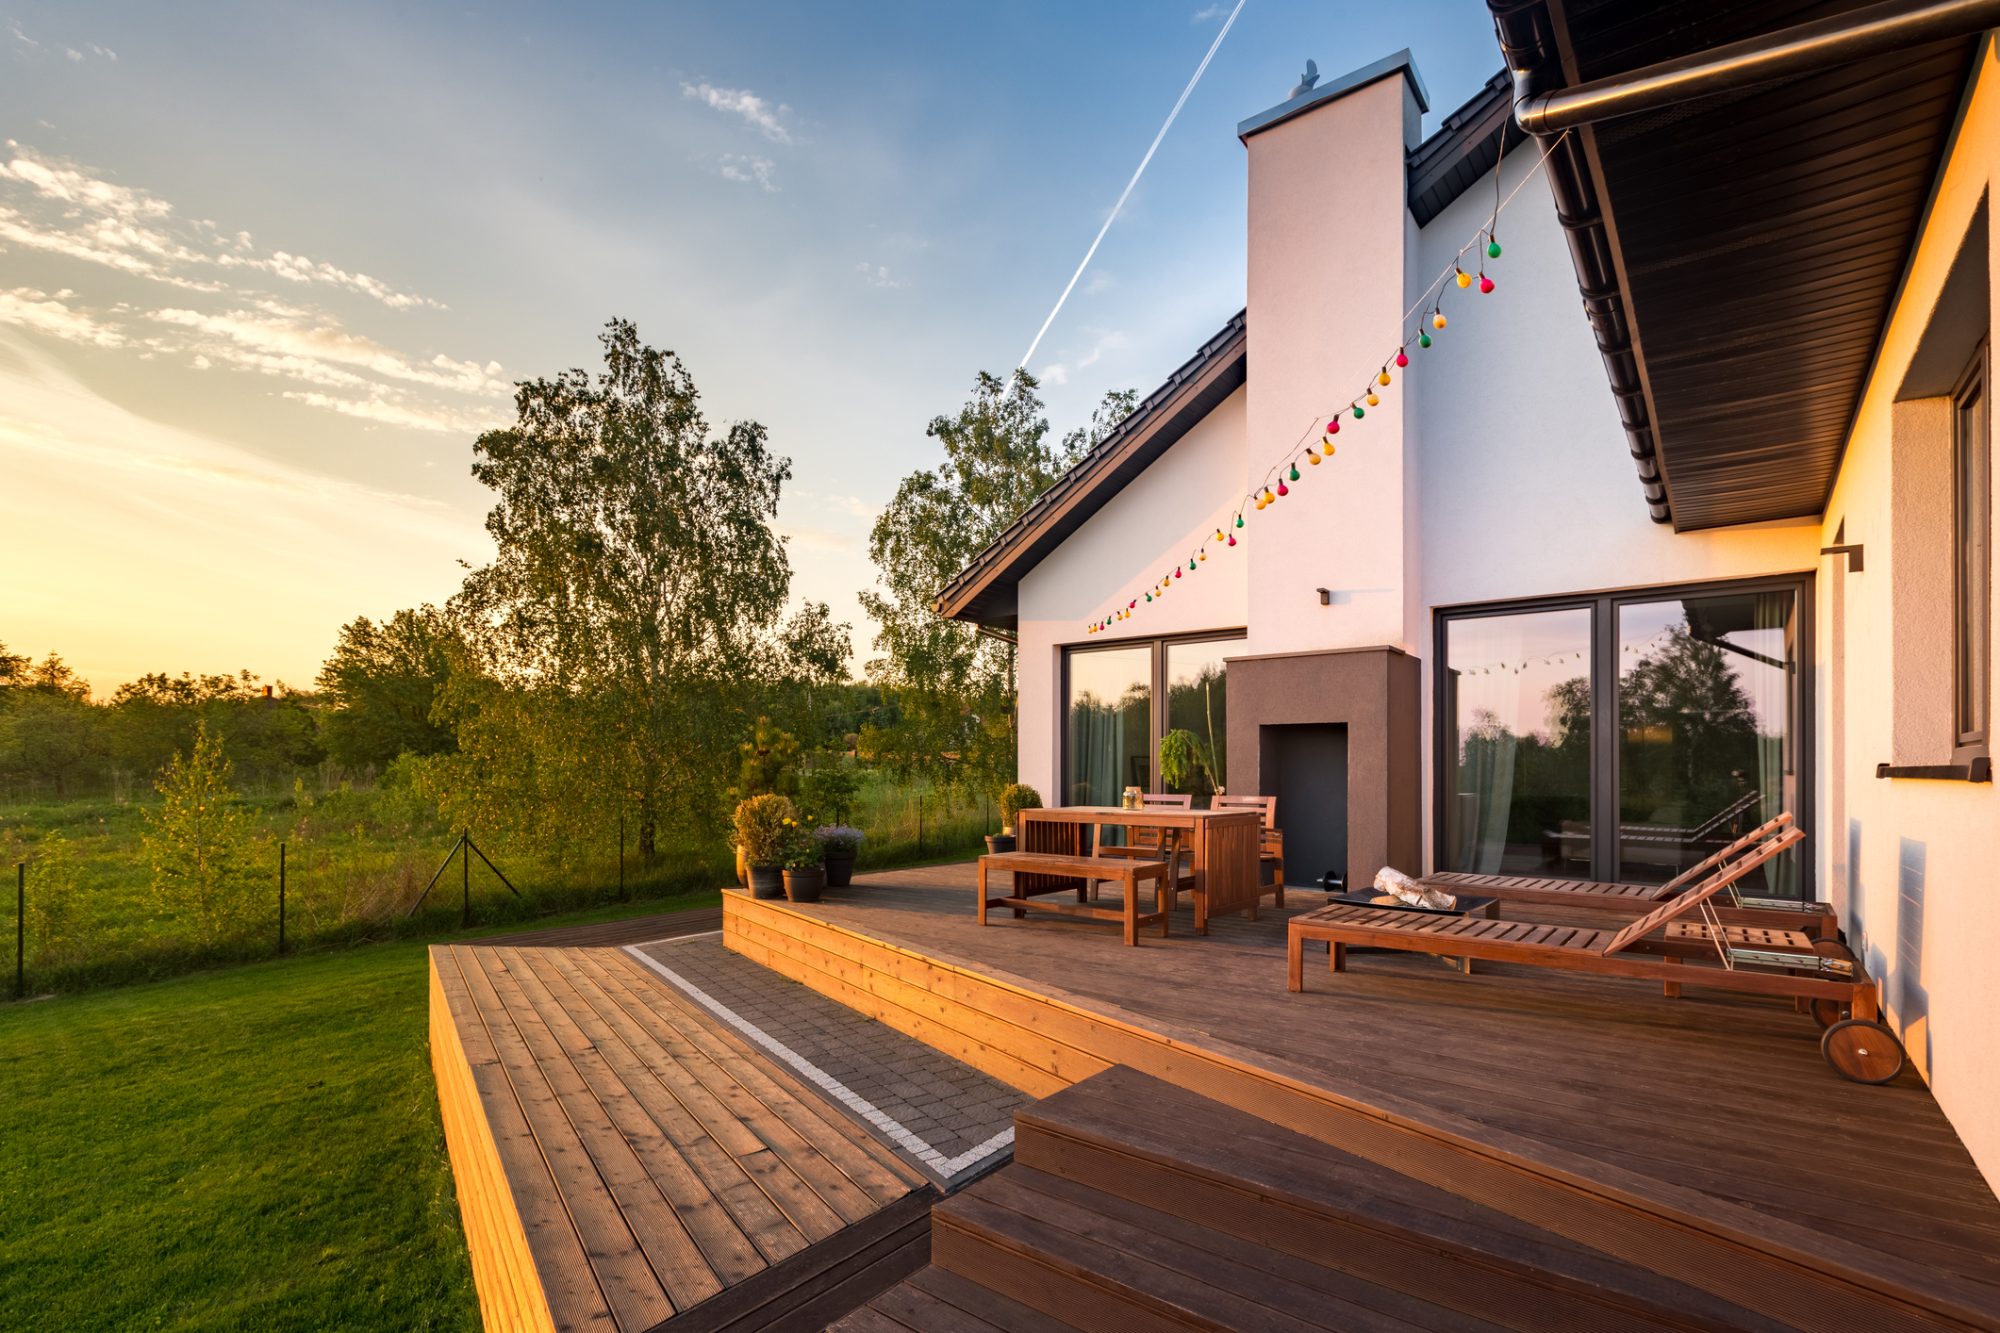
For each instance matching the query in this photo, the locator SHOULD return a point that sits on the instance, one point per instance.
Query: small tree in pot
(804, 862)
(1014, 798)
(761, 823)
(840, 843)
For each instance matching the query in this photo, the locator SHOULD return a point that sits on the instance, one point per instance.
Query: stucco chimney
(1331, 248)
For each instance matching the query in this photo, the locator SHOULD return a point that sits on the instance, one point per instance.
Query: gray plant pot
(998, 843)
(767, 881)
(805, 885)
(839, 871)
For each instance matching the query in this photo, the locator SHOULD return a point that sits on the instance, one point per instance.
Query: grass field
(251, 1148)
(356, 860)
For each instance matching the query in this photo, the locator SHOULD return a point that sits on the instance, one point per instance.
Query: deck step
(1100, 1262)
(1151, 1148)
(932, 1300)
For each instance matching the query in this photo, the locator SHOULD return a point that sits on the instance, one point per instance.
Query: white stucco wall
(1913, 862)
(1116, 557)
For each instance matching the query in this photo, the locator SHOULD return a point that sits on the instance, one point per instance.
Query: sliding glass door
(1122, 703)
(1707, 748)
(1518, 776)
(1110, 740)
(1623, 736)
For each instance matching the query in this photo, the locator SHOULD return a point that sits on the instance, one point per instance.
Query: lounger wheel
(1862, 1051)
(1827, 1012)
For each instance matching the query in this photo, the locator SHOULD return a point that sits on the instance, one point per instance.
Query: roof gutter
(1879, 29)
(1528, 44)
(1548, 112)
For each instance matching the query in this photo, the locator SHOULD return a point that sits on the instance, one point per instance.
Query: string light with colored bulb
(1286, 469)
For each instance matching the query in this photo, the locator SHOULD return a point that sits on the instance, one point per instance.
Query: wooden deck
(1703, 1138)
(623, 1162)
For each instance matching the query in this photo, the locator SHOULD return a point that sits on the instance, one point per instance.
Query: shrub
(1014, 798)
(839, 839)
(55, 913)
(198, 840)
(760, 827)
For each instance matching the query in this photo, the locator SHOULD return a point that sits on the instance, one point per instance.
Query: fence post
(465, 877)
(20, 929)
(281, 900)
(621, 856)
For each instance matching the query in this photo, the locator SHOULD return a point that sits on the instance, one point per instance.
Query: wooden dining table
(1223, 847)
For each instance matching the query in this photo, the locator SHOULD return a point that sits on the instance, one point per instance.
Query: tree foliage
(954, 687)
(632, 611)
(381, 687)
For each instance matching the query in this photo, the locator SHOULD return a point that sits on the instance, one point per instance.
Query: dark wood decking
(623, 1162)
(1704, 1136)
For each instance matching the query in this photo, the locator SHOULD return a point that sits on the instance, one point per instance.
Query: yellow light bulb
(1313, 459)
(1464, 278)
(1437, 320)
(1373, 398)
(1383, 377)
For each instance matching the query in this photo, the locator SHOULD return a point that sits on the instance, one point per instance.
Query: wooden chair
(1273, 849)
(1149, 844)
(1814, 919)
(1857, 1046)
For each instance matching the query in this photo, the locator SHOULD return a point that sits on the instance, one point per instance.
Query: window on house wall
(1121, 702)
(1622, 736)
(1972, 485)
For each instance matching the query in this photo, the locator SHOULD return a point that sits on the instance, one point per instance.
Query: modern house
(1673, 516)
(1685, 522)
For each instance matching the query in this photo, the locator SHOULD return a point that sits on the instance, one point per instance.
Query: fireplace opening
(1305, 766)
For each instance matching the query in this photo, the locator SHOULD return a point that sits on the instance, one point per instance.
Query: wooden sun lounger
(1858, 1047)
(1815, 920)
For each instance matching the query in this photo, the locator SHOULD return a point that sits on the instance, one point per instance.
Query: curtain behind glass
(1109, 714)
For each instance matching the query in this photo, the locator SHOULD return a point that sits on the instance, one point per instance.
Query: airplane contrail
(1119, 206)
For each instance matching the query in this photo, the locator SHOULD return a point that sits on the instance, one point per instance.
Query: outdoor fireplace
(1334, 736)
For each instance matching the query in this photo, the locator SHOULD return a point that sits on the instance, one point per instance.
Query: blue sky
(266, 269)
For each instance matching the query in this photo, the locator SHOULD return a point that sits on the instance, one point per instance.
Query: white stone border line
(945, 1168)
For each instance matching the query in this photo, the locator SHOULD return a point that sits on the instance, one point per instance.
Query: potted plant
(1184, 763)
(1014, 798)
(761, 822)
(840, 844)
(803, 860)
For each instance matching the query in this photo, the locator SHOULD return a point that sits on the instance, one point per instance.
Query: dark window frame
(1603, 605)
(1971, 701)
(1157, 682)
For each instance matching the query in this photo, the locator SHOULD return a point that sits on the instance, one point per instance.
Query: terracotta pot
(997, 843)
(806, 884)
(767, 881)
(839, 871)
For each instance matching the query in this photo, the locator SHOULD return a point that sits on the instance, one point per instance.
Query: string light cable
(1284, 470)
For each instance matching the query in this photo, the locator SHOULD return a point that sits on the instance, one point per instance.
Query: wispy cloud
(1208, 13)
(323, 352)
(878, 275)
(383, 409)
(1102, 341)
(751, 170)
(63, 208)
(26, 308)
(766, 117)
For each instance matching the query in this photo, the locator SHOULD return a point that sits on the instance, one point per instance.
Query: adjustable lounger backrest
(1708, 888)
(1708, 863)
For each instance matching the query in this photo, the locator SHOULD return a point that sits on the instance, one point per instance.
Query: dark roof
(1739, 254)
(1463, 149)
(985, 590)
(1441, 168)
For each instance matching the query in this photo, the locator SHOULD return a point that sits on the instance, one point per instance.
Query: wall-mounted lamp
(1325, 597)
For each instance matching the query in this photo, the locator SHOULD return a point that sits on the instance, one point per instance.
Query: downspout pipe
(1879, 29)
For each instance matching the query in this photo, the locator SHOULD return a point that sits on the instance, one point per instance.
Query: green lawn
(252, 1148)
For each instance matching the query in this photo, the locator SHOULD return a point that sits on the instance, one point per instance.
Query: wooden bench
(1056, 873)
